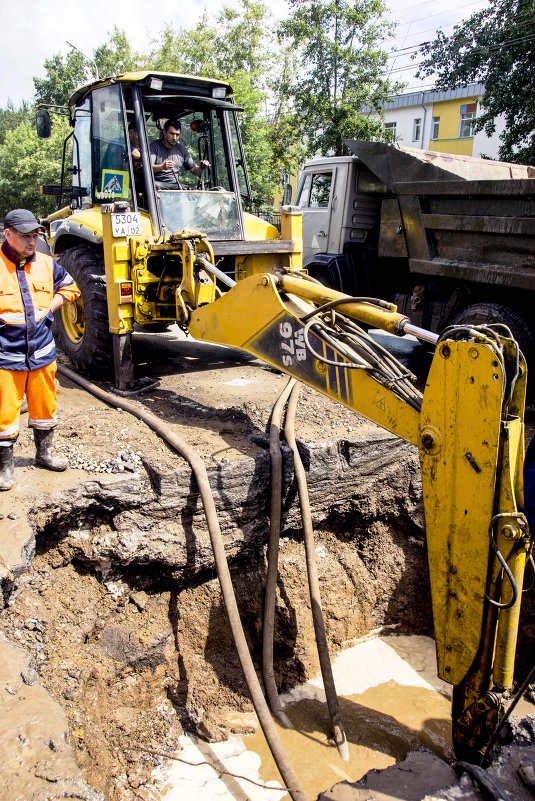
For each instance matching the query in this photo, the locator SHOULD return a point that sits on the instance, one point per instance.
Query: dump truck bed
(462, 218)
(394, 164)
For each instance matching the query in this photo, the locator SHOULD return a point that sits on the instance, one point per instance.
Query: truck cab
(340, 200)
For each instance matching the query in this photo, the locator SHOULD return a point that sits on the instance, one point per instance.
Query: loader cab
(104, 171)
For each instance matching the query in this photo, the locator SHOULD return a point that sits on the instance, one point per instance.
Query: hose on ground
(199, 471)
(268, 627)
(489, 787)
(313, 581)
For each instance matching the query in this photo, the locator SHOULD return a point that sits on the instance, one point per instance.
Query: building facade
(441, 121)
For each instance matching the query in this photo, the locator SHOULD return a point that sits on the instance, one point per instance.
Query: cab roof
(172, 83)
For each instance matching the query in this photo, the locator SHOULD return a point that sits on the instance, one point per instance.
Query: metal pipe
(211, 268)
(420, 333)
(270, 593)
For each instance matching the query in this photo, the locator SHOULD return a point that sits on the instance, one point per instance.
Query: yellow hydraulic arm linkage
(468, 427)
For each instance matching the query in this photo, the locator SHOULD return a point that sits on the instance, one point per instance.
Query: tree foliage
(237, 48)
(65, 73)
(341, 67)
(26, 162)
(495, 47)
(300, 92)
(11, 117)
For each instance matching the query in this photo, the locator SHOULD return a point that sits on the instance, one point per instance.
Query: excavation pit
(112, 605)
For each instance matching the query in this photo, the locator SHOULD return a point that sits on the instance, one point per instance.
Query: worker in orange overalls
(32, 287)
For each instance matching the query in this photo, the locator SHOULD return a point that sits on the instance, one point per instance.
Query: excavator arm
(468, 428)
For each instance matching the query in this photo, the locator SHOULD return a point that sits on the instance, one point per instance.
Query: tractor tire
(485, 313)
(82, 327)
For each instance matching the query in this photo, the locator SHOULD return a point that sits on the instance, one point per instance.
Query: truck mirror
(43, 123)
(287, 198)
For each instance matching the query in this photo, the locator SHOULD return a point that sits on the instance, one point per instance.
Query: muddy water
(391, 703)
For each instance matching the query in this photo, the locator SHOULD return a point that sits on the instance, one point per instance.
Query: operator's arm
(200, 167)
(158, 160)
(158, 168)
(189, 163)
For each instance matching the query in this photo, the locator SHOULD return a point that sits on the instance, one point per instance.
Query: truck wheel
(485, 313)
(82, 326)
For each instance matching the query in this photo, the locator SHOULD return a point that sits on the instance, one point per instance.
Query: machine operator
(168, 156)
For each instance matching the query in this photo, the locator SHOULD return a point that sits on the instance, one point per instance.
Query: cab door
(315, 197)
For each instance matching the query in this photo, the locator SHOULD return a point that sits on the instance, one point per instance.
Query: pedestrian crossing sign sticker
(115, 183)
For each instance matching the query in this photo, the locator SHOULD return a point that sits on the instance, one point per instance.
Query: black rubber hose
(313, 582)
(270, 594)
(489, 787)
(199, 471)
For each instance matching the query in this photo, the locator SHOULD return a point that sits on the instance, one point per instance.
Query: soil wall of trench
(117, 608)
(112, 610)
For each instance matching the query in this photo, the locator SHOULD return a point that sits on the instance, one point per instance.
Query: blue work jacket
(27, 287)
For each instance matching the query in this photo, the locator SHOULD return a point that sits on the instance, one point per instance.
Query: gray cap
(21, 220)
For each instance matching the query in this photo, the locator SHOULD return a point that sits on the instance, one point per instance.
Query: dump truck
(448, 239)
(115, 229)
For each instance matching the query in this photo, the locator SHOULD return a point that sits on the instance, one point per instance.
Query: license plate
(126, 223)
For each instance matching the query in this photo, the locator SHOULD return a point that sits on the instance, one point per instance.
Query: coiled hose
(199, 471)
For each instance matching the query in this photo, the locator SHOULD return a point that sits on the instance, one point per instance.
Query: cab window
(315, 191)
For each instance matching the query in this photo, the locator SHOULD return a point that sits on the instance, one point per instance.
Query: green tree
(187, 51)
(26, 162)
(65, 73)
(246, 56)
(11, 117)
(342, 67)
(116, 55)
(496, 47)
(236, 47)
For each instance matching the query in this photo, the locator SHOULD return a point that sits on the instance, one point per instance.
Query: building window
(435, 127)
(468, 116)
(417, 129)
(390, 130)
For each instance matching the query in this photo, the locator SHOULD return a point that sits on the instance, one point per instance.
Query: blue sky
(44, 27)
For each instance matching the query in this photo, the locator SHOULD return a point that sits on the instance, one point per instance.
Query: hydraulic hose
(489, 787)
(270, 594)
(199, 471)
(313, 582)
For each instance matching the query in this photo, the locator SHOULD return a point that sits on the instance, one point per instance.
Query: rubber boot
(44, 456)
(7, 466)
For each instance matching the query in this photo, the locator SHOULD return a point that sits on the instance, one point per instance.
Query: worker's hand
(57, 302)
(168, 164)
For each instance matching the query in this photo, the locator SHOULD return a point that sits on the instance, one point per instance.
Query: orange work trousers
(40, 390)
